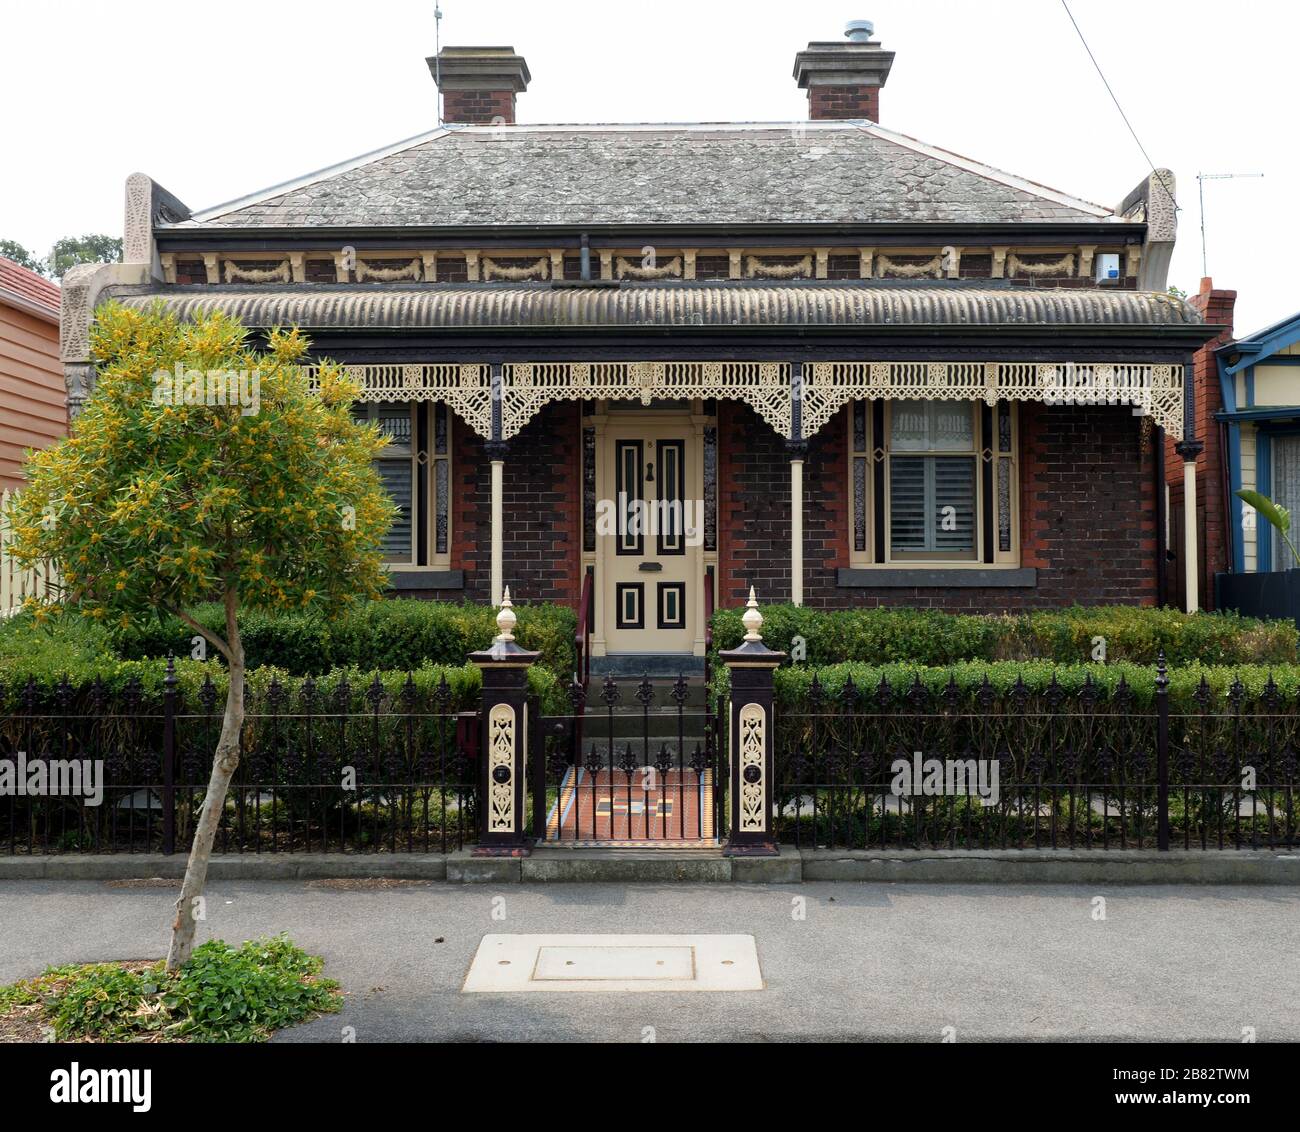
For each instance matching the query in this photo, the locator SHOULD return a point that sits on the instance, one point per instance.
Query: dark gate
(640, 764)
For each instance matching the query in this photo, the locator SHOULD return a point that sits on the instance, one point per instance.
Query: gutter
(28, 306)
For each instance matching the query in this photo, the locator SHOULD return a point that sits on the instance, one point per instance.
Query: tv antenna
(1201, 178)
(437, 50)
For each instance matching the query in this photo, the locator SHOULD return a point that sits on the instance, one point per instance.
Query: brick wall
(1087, 503)
(542, 483)
(1216, 307)
(834, 102)
(478, 107)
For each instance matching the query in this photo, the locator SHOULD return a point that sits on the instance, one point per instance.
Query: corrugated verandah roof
(413, 307)
(725, 174)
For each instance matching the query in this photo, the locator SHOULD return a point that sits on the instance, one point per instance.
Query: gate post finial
(504, 721)
(750, 757)
(506, 618)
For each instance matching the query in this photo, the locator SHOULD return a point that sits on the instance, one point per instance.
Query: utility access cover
(614, 963)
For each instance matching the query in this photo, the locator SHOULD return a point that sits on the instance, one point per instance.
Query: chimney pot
(859, 31)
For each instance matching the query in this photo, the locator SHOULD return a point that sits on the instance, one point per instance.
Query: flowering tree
(204, 469)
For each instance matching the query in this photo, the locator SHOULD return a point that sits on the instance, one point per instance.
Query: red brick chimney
(479, 84)
(843, 80)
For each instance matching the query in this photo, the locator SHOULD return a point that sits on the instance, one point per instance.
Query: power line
(1118, 107)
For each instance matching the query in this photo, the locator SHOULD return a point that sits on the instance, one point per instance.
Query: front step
(654, 665)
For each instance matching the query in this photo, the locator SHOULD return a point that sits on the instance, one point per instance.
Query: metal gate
(638, 766)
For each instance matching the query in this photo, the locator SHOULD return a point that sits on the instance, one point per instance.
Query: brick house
(821, 358)
(33, 401)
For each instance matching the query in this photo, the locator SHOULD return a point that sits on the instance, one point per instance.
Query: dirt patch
(144, 882)
(26, 1021)
(361, 884)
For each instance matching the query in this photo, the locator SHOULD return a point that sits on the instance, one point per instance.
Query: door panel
(650, 562)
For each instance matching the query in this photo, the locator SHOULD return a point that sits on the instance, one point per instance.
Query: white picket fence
(16, 583)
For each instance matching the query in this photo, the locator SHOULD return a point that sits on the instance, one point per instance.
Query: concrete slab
(613, 964)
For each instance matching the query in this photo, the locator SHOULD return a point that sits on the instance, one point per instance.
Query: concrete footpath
(844, 961)
(1009, 866)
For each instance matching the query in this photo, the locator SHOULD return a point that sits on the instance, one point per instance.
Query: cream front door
(649, 554)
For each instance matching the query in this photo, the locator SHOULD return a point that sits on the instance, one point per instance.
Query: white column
(796, 531)
(1191, 573)
(498, 492)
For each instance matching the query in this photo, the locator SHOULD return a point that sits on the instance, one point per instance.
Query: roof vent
(859, 31)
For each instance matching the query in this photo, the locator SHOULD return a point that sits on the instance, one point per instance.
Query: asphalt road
(867, 962)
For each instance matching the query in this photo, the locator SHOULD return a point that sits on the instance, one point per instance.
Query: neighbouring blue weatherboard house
(1259, 377)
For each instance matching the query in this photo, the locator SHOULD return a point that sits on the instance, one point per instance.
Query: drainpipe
(1225, 482)
(586, 257)
(1189, 448)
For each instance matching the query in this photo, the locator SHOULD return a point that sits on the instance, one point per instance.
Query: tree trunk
(224, 765)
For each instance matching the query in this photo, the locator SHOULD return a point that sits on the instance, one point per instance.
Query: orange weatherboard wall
(33, 399)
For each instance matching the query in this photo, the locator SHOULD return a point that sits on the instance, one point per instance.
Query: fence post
(169, 757)
(504, 751)
(1162, 754)
(750, 739)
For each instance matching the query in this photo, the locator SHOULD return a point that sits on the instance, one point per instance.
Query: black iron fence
(953, 769)
(361, 769)
(357, 770)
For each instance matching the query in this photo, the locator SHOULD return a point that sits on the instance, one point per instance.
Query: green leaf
(1279, 517)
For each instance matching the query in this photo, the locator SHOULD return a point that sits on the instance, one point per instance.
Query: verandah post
(750, 739)
(504, 748)
(1162, 754)
(169, 758)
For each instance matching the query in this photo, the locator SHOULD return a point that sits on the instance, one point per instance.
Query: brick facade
(541, 503)
(1216, 307)
(1087, 505)
(835, 102)
(1087, 513)
(478, 107)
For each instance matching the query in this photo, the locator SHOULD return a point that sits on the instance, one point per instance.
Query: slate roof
(27, 289)
(415, 307)
(807, 172)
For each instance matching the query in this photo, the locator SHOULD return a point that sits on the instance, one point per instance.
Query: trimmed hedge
(929, 637)
(793, 685)
(397, 634)
(81, 652)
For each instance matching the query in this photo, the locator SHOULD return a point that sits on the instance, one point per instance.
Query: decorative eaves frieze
(1154, 391)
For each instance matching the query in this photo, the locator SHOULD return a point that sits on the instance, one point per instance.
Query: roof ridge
(211, 213)
(981, 168)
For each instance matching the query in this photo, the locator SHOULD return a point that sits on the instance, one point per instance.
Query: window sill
(423, 579)
(921, 577)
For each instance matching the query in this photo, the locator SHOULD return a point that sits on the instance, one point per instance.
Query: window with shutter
(932, 482)
(415, 471)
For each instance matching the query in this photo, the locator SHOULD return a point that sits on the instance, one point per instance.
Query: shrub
(396, 634)
(222, 994)
(1189, 685)
(67, 647)
(929, 637)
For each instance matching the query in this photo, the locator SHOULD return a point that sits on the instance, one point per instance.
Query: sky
(218, 100)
